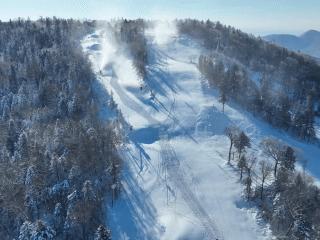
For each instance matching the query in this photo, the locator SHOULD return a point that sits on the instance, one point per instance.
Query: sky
(259, 17)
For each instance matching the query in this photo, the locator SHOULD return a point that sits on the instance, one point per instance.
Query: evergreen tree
(102, 233)
(26, 230)
(42, 231)
(289, 159)
(241, 143)
(12, 137)
(58, 219)
(22, 152)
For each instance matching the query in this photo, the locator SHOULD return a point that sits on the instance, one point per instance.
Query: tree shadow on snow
(258, 129)
(133, 216)
(103, 97)
(157, 78)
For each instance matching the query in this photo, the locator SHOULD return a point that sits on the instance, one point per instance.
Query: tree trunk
(261, 194)
(275, 169)
(231, 144)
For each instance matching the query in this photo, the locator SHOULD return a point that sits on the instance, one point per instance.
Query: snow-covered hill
(308, 43)
(176, 181)
(176, 184)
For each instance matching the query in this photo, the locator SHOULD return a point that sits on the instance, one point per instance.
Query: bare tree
(251, 162)
(242, 164)
(223, 99)
(274, 149)
(248, 184)
(265, 170)
(232, 133)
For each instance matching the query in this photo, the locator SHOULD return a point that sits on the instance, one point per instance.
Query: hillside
(308, 42)
(277, 85)
(177, 150)
(135, 129)
(175, 153)
(57, 158)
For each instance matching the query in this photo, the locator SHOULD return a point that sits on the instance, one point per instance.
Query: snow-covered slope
(176, 183)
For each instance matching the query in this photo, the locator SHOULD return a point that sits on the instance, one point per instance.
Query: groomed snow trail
(172, 165)
(176, 184)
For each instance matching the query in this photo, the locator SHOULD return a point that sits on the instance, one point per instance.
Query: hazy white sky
(255, 16)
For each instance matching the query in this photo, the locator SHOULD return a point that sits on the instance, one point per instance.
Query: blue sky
(254, 16)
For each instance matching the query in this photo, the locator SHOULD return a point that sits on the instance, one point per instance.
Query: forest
(57, 158)
(131, 33)
(287, 198)
(60, 161)
(286, 95)
(275, 84)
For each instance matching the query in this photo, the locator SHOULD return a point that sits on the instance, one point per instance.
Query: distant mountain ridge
(308, 43)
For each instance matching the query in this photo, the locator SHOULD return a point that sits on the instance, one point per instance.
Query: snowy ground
(176, 183)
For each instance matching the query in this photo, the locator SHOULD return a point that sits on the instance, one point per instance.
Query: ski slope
(176, 184)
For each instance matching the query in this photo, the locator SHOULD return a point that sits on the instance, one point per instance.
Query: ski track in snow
(172, 165)
(131, 103)
(176, 185)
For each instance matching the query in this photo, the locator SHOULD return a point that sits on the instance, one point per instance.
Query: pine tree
(13, 80)
(241, 143)
(42, 231)
(102, 233)
(26, 231)
(88, 192)
(12, 137)
(22, 152)
(289, 159)
(36, 231)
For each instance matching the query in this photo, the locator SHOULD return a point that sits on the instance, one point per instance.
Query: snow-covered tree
(21, 149)
(58, 219)
(88, 192)
(36, 231)
(26, 230)
(288, 159)
(241, 143)
(42, 231)
(12, 137)
(102, 233)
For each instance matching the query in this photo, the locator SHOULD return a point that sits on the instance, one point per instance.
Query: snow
(212, 121)
(162, 32)
(59, 188)
(176, 184)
